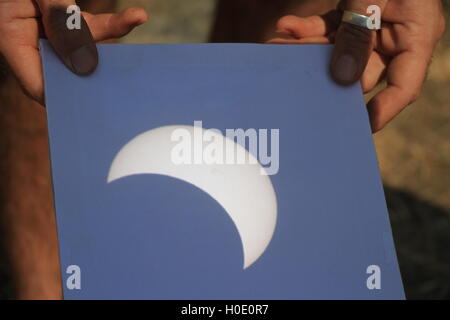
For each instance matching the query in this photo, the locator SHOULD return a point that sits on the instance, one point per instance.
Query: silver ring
(357, 20)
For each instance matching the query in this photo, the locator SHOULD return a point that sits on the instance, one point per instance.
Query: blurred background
(413, 151)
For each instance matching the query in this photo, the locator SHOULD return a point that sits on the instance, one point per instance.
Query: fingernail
(345, 69)
(84, 60)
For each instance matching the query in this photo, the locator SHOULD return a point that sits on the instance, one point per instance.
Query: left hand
(23, 22)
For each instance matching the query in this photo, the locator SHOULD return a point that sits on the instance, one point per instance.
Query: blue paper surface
(151, 236)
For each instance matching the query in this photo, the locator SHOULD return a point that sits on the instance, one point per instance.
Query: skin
(399, 53)
(28, 221)
(22, 22)
(29, 267)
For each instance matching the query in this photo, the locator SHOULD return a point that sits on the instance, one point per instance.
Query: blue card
(216, 171)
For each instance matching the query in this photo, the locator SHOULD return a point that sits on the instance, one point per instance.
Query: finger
(20, 9)
(405, 77)
(387, 42)
(76, 47)
(353, 46)
(375, 72)
(29, 75)
(111, 26)
(313, 26)
(22, 54)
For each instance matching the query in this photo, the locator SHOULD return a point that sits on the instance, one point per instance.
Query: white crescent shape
(246, 195)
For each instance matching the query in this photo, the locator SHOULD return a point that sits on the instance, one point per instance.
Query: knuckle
(285, 22)
(356, 35)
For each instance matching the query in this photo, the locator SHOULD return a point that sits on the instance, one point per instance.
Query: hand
(22, 22)
(400, 52)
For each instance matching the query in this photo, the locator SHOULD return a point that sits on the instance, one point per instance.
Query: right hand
(399, 53)
(23, 22)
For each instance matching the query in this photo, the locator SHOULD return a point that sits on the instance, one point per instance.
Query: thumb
(75, 47)
(353, 45)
